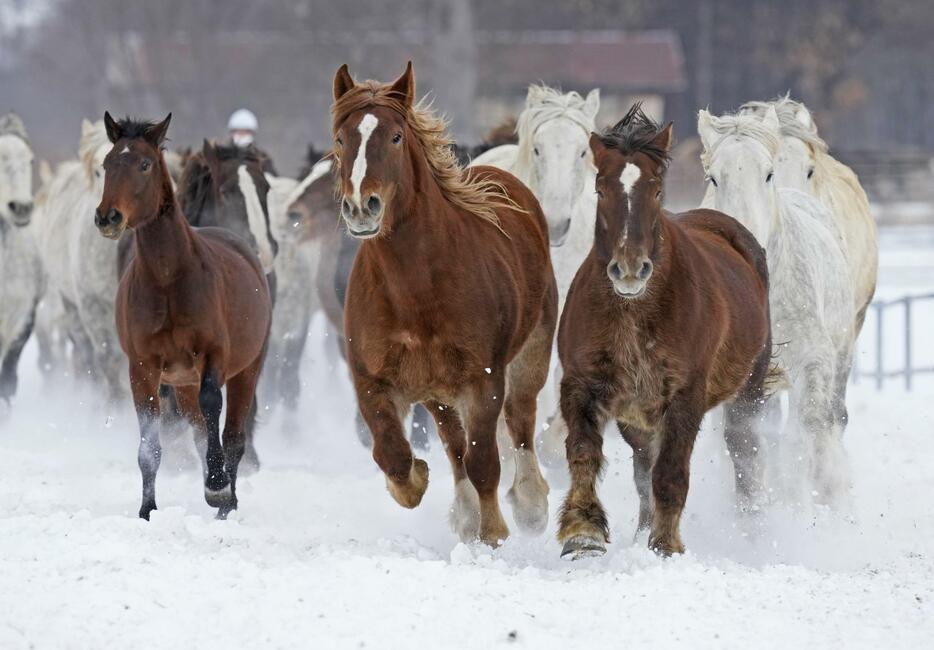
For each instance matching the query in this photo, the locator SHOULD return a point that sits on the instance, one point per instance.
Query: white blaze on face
(627, 179)
(358, 173)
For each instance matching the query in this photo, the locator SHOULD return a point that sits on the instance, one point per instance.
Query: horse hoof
(410, 494)
(664, 548)
(218, 498)
(465, 511)
(144, 512)
(223, 511)
(529, 510)
(581, 546)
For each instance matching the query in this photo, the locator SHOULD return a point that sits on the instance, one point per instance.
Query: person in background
(241, 128)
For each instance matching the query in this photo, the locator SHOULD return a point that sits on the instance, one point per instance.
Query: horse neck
(164, 243)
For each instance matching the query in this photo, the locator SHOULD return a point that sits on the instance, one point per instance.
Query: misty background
(862, 67)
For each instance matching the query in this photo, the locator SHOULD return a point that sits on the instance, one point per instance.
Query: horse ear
(592, 103)
(770, 120)
(706, 130)
(343, 82)
(803, 115)
(534, 95)
(663, 139)
(156, 133)
(113, 129)
(405, 86)
(210, 154)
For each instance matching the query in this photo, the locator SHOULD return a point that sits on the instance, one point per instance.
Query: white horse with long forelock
(804, 163)
(296, 301)
(21, 280)
(810, 297)
(553, 158)
(81, 266)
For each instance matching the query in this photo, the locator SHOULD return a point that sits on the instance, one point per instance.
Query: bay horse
(193, 311)
(451, 302)
(667, 317)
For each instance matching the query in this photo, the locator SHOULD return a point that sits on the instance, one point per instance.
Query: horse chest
(424, 366)
(644, 383)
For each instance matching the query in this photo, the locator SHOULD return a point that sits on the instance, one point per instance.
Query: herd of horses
(462, 271)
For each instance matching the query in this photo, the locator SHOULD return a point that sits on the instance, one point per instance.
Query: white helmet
(242, 120)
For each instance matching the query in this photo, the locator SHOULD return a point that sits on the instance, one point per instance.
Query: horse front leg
(672, 469)
(644, 451)
(583, 530)
(144, 383)
(465, 511)
(406, 476)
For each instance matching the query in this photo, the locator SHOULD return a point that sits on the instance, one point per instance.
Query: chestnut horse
(192, 310)
(451, 303)
(666, 318)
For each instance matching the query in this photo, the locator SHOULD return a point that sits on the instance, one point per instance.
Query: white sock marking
(358, 173)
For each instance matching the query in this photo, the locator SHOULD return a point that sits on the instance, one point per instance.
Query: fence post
(907, 342)
(880, 371)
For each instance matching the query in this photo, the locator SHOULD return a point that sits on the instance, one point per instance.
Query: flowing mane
(741, 126)
(196, 186)
(635, 133)
(468, 191)
(834, 182)
(545, 104)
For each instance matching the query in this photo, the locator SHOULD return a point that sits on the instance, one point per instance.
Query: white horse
(21, 283)
(804, 164)
(553, 158)
(810, 296)
(296, 301)
(81, 266)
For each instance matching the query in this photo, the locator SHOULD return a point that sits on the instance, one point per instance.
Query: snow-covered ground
(320, 556)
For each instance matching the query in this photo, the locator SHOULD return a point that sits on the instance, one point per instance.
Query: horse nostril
(645, 270)
(114, 217)
(614, 271)
(98, 218)
(374, 205)
(346, 209)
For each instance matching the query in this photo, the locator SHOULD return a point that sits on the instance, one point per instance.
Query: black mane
(312, 156)
(636, 133)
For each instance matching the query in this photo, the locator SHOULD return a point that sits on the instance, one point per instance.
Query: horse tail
(256, 218)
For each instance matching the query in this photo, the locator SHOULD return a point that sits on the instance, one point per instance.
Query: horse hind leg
(526, 375)
(241, 420)
(829, 472)
(743, 439)
(465, 511)
(644, 451)
(217, 491)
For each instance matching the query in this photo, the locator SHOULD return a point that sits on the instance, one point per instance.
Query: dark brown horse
(666, 318)
(451, 302)
(193, 311)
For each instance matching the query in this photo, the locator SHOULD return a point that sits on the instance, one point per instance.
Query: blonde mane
(740, 125)
(543, 105)
(467, 190)
(93, 137)
(834, 182)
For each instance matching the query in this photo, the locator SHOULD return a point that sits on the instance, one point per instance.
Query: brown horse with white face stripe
(451, 303)
(193, 311)
(666, 318)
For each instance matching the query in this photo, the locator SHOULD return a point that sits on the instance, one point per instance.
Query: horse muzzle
(363, 222)
(110, 224)
(630, 280)
(20, 212)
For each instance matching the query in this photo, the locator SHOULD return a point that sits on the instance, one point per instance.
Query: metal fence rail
(909, 369)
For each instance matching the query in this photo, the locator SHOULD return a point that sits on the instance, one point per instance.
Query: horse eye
(145, 165)
(768, 179)
(535, 151)
(810, 173)
(340, 140)
(658, 194)
(712, 181)
(583, 153)
(397, 138)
